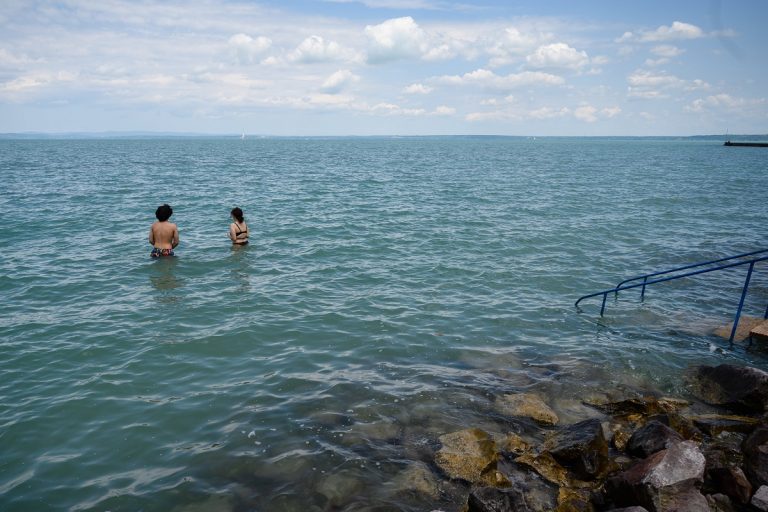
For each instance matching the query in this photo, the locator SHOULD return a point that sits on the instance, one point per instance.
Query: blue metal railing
(623, 285)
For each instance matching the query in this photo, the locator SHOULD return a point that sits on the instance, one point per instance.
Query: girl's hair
(163, 213)
(238, 214)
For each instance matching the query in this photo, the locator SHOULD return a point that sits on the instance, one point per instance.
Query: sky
(385, 67)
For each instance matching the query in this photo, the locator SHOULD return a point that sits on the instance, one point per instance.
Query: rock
(490, 499)
(629, 509)
(527, 405)
(621, 435)
(377, 431)
(339, 487)
(417, 478)
(731, 481)
(687, 500)
(650, 438)
(755, 451)
(735, 387)
(215, 503)
(545, 465)
(581, 448)
(466, 454)
(760, 499)
(513, 443)
(715, 424)
(539, 494)
(638, 407)
(570, 500)
(719, 503)
(656, 481)
(679, 424)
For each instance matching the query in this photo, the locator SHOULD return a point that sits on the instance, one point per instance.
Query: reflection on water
(165, 281)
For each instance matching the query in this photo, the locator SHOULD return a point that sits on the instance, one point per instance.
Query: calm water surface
(392, 288)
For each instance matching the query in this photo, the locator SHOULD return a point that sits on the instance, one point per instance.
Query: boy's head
(163, 213)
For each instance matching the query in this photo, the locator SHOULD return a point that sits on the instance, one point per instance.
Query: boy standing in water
(163, 235)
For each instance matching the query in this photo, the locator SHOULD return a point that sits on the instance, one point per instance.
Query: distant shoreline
(182, 135)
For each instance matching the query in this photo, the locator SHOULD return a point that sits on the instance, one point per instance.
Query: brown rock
(679, 424)
(417, 478)
(581, 448)
(513, 443)
(715, 424)
(731, 481)
(466, 454)
(570, 500)
(736, 387)
(545, 465)
(527, 405)
(490, 499)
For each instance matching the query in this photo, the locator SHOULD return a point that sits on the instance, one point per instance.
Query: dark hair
(238, 214)
(163, 212)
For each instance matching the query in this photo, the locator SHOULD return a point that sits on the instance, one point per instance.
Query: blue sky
(385, 67)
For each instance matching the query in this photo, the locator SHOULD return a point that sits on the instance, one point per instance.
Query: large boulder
(526, 405)
(492, 499)
(731, 481)
(650, 438)
(467, 454)
(656, 481)
(581, 448)
(735, 387)
(755, 451)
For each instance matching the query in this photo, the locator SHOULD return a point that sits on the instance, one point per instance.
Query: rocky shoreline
(640, 453)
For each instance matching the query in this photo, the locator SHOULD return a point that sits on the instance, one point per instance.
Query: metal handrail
(646, 276)
(646, 282)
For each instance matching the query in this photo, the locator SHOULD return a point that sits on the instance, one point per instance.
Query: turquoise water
(392, 288)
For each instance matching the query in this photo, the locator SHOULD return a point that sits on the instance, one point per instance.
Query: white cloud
(513, 44)
(442, 110)
(247, 49)
(418, 89)
(489, 79)
(394, 39)
(667, 50)
(586, 113)
(558, 55)
(652, 63)
(548, 113)
(610, 112)
(315, 49)
(723, 102)
(338, 81)
(677, 31)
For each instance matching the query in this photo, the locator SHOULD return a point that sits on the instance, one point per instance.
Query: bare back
(164, 235)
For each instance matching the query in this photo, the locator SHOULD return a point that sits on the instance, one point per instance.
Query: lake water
(392, 288)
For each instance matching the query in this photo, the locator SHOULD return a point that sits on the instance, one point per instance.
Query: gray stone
(731, 481)
(491, 499)
(339, 488)
(736, 387)
(755, 451)
(760, 499)
(581, 448)
(655, 481)
(417, 478)
(686, 500)
(650, 438)
(719, 503)
(629, 509)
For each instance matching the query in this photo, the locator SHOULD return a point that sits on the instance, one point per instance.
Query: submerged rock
(581, 448)
(527, 405)
(715, 424)
(466, 454)
(515, 444)
(737, 387)
(417, 478)
(650, 438)
(340, 487)
(657, 481)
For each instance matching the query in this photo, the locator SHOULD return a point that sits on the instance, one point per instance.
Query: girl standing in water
(238, 230)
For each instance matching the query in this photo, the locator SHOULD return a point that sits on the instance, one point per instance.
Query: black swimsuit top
(239, 232)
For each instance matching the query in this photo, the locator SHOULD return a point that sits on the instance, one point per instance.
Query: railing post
(741, 302)
(602, 308)
(642, 293)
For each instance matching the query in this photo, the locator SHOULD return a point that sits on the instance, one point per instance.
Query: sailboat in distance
(242, 137)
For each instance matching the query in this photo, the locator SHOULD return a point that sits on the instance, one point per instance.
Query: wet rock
(545, 465)
(527, 405)
(687, 500)
(639, 407)
(466, 454)
(650, 438)
(736, 387)
(339, 488)
(377, 431)
(570, 410)
(418, 479)
(755, 451)
(538, 493)
(570, 500)
(515, 444)
(731, 481)
(620, 437)
(491, 499)
(629, 509)
(581, 448)
(715, 424)
(760, 499)
(656, 481)
(679, 424)
(719, 503)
